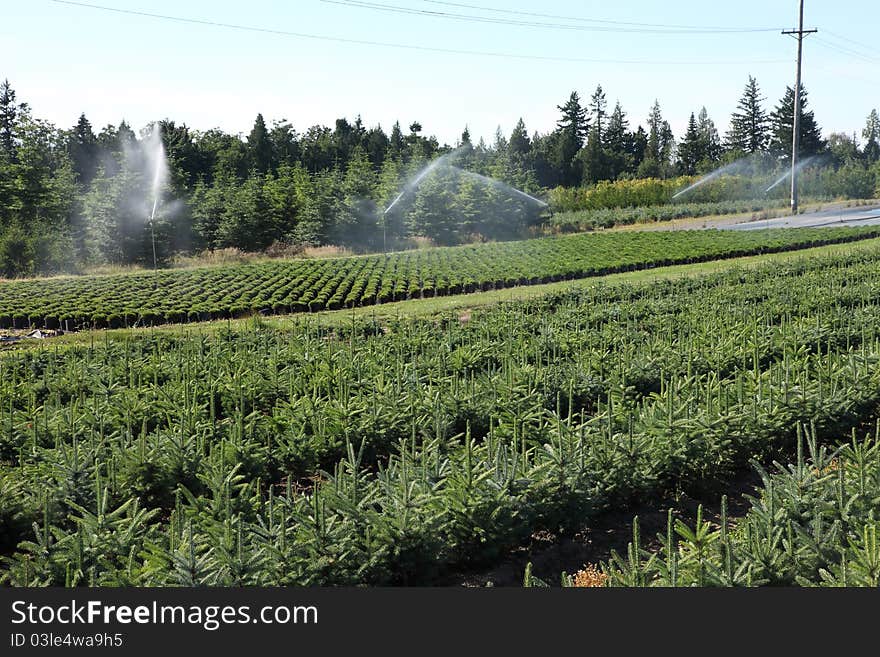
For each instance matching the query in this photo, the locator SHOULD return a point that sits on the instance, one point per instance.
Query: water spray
(503, 186)
(444, 161)
(414, 183)
(159, 169)
(739, 165)
(785, 176)
(153, 216)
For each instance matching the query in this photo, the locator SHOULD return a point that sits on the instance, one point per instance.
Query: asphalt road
(858, 216)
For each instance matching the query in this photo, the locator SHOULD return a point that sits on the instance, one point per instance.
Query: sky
(64, 60)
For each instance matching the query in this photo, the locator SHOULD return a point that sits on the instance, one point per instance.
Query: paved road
(860, 216)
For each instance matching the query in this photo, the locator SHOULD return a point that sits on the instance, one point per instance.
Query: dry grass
(277, 251)
(326, 252)
(589, 577)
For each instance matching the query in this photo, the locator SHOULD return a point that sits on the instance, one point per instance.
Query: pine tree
(749, 125)
(690, 151)
(571, 131)
(519, 139)
(782, 119)
(660, 143)
(593, 156)
(430, 216)
(638, 147)
(710, 141)
(598, 107)
(375, 143)
(206, 207)
(617, 143)
(395, 141)
(388, 186)
(259, 147)
(357, 220)
(82, 145)
(247, 222)
(500, 143)
(469, 204)
(9, 116)
(574, 121)
(871, 135)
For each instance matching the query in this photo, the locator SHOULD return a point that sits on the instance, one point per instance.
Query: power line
(582, 19)
(864, 46)
(384, 44)
(472, 18)
(844, 50)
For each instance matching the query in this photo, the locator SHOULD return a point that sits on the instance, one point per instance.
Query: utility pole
(796, 123)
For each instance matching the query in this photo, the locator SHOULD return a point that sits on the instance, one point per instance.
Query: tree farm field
(413, 442)
(378, 294)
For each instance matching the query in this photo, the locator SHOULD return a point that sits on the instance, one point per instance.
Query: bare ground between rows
(551, 555)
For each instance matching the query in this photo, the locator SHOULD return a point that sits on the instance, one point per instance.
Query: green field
(812, 523)
(175, 296)
(395, 451)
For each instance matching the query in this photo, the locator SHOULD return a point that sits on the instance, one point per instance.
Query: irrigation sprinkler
(153, 238)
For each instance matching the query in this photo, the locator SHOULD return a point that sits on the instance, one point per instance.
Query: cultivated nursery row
(812, 523)
(310, 285)
(399, 452)
(583, 220)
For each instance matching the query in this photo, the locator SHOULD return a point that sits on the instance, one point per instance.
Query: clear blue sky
(65, 60)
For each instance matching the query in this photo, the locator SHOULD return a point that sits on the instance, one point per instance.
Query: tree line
(71, 198)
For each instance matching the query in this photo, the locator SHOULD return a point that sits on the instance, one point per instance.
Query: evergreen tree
(594, 166)
(500, 144)
(247, 223)
(844, 149)
(782, 119)
(690, 151)
(9, 117)
(598, 107)
(284, 143)
(617, 144)
(871, 135)
(82, 145)
(285, 204)
(571, 130)
(114, 225)
(396, 141)
(357, 220)
(375, 143)
(593, 157)
(542, 156)
(387, 188)
(466, 150)
(259, 147)
(638, 147)
(709, 139)
(345, 138)
(312, 203)
(519, 143)
(430, 216)
(316, 149)
(187, 162)
(469, 205)
(749, 125)
(659, 146)
(207, 205)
